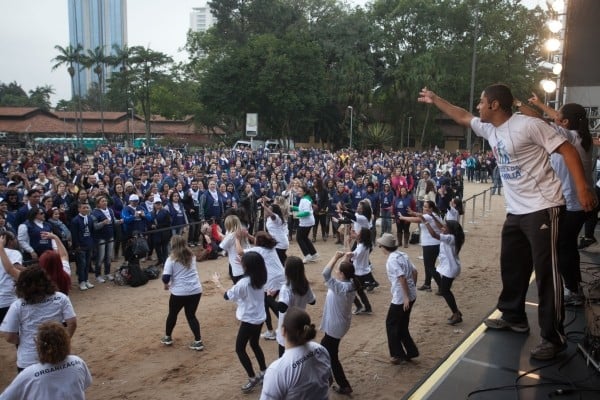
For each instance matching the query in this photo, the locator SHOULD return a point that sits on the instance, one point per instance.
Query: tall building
(94, 23)
(201, 19)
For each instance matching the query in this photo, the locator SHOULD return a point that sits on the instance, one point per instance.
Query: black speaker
(581, 55)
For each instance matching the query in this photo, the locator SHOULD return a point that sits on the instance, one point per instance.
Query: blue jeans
(83, 261)
(104, 252)
(386, 221)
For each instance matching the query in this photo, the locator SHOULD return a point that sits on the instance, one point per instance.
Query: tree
(71, 57)
(119, 94)
(96, 61)
(40, 97)
(13, 95)
(147, 68)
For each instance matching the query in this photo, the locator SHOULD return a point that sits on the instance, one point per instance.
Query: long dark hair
(455, 229)
(364, 237)
(366, 209)
(578, 121)
(296, 276)
(254, 267)
(347, 268)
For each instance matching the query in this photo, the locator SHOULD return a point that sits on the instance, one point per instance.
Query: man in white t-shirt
(534, 202)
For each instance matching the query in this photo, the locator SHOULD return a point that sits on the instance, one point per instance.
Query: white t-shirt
(558, 164)
(279, 230)
(449, 265)
(66, 380)
(361, 222)
(287, 296)
(7, 283)
(426, 238)
(66, 267)
(452, 214)
(228, 244)
(360, 259)
(306, 205)
(275, 271)
(250, 302)
(522, 146)
(184, 280)
(301, 373)
(399, 265)
(24, 319)
(337, 313)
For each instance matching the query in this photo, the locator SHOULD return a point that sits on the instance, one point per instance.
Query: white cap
(134, 197)
(157, 199)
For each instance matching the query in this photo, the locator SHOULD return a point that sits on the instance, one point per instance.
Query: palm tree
(96, 61)
(71, 56)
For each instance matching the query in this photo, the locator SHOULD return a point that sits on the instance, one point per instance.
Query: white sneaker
(223, 253)
(82, 286)
(315, 257)
(88, 284)
(100, 279)
(269, 335)
(109, 277)
(307, 259)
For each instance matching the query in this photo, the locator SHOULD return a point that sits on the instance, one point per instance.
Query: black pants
(282, 254)
(304, 242)
(400, 343)
(190, 305)
(361, 295)
(445, 285)
(332, 345)
(320, 220)
(523, 241)
(430, 254)
(592, 218)
(568, 254)
(194, 232)
(3, 312)
(270, 302)
(249, 333)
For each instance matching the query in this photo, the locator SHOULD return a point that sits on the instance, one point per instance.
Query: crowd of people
(248, 205)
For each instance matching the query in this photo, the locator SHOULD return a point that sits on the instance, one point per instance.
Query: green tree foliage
(13, 95)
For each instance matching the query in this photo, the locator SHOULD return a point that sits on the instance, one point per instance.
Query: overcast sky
(31, 28)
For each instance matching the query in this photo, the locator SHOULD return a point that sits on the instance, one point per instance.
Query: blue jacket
(81, 233)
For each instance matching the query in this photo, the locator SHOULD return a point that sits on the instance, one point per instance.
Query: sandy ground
(119, 328)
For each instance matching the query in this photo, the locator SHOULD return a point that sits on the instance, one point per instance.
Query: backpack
(139, 247)
(152, 272)
(137, 276)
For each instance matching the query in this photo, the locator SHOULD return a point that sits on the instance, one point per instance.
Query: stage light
(548, 85)
(552, 44)
(555, 26)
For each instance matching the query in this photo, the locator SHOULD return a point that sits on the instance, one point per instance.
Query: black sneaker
(585, 242)
(426, 288)
(547, 350)
(501, 324)
(251, 384)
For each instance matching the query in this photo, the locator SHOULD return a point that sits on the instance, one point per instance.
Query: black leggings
(445, 284)
(430, 254)
(190, 305)
(270, 302)
(304, 242)
(249, 332)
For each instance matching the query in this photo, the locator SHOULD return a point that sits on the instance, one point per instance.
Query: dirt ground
(119, 328)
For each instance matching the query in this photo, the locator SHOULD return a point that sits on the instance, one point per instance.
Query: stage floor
(495, 365)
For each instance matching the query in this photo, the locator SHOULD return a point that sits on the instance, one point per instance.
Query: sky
(31, 28)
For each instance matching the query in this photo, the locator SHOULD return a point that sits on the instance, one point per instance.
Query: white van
(247, 144)
(274, 145)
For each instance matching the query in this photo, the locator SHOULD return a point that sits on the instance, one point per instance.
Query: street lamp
(132, 130)
(408, 139)
(351, 111)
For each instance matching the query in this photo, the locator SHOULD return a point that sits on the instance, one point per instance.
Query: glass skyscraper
(94, 23)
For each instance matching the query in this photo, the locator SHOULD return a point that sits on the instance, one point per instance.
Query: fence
(478, 205)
